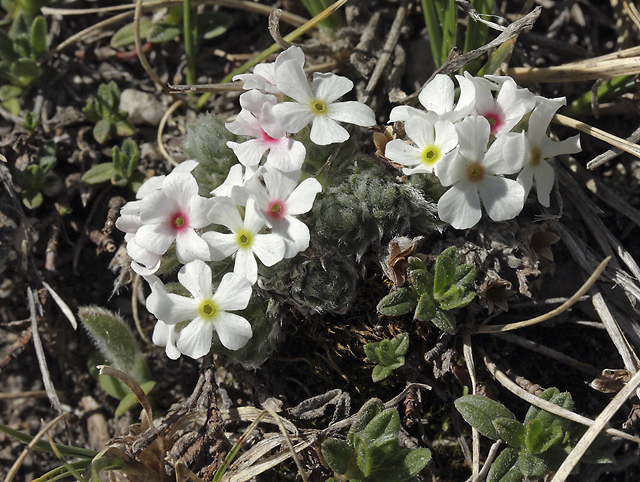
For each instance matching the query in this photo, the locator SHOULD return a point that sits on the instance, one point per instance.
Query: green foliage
(30, 7)
(121, 171)
(104, 111)
(116, 347)
(537, 446)
(372, 451)
(20, 50)
(433, 295)
(388, 354)
(38, 180)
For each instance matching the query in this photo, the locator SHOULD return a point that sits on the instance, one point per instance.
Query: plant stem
(433, 29)
(189, 41)
(606, 91)
(449, 28)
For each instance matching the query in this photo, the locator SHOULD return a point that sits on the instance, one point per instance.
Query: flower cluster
(251, 217)
(493, 131)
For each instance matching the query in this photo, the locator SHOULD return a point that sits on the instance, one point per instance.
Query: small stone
(142, 107)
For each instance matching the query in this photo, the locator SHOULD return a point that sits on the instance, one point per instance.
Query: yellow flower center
(244, 238)
(318, 107)
(430, 155)
(475, 172)
(208, 309)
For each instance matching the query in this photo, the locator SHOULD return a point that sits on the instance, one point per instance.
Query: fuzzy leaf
(383, 448)
(38, 37)
(421, 280)
(534, 411)
(480, 412)
(26, 69)
(369, 410)
(465, 275)
(6, 48)
(124, 129)
(363, 454)
(459, 302)
(404, 465)
(106, 99)
(125, 36)
(102, 130)
(397, 303)
(539, 438)
(385, 423)
(444, 274)
(531, 466)
(505, 467)
(371, 352)
(510, 430)
(380, 372)
(445, 321)
(112, 337)
(337, 454)
(426, 309)
(99, 173)
(9, 91)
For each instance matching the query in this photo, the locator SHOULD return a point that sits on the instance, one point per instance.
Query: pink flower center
(275, 210)
(179, 221)
(495, 120)
(475, 172)
(268, 139)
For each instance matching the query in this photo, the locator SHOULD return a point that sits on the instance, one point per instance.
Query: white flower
(172, 214)
(435, 144)
(280, 200)
(264, 75)
(204, 312)
(540, 149)
(509, 106)
(475, 175)
(317, 104)
(256, 120)
(245, 239)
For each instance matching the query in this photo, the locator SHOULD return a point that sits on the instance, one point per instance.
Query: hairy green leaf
(510, 430)
(337, 454)
(444, 274)
(480, 412)
(397, 303)
(505, 467)
(98, 174)
(38, 37)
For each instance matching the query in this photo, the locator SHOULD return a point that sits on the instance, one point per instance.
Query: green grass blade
(62, 471)
(66, 450)
(433, 29)
(476, 35)
(449, 28)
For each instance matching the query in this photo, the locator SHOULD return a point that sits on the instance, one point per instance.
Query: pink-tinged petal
(198, 211)
(281, 184)
(399, 151)
(295, 235)
(352, 112)
(225, 212)
(286, 156)
(507, 154)
(233, 330)
(195, 338)
(446, 136)
(249, 153)
(269, 248)
(551, 149)
(405, 112)
(157, 207)
(460, 206)
(221, 245)
(246, 265)
(302, 198)
(245, 124)
(155, 237)
(292, 117)
(254, 100)
(330, 87)
(502, 198)
(438, 95)
(484, 97)
(269, 124)
(180, 186)
(421, 132)
(254, 220)
(233, 293)
(525, 179)
(325, 131)
(544, 177)
(190, 246)
(473, 135)
(196, 277)
(292, 81)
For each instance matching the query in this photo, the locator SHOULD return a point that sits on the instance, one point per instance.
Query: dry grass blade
(163, 122)
(62, 305)
(16, 465)
(598, 425)
(29, 394)
(514, 388)
(133, 386)
(475, 435)
(547, 316)
(591, 69)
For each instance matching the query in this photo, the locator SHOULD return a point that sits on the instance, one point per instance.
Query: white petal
(254, 221)
(233, 330)
(352, 112)
(473, 135)
(165, 335)
(420, 131)
(155, 237)
(302, 198)
(233, 293)
(269, 248)
(246, 265)
(293, 117)
(157, 207)
(292, 81)
(245, 124)
(525, 178)
(141, 255)
(234, 178)
(152, 184)
(295, 235)
(186, 166)
(438, 94)
(180, 186)
(330, 87)
(453, 169)
(280, 184)
(249, 153)
(254, 100)
(544, 177)
(507, 154)
(195, 338)
(196, 277)
(552, 149)
(225, 212)
(460, 206)
(286, 156)
(502, 198)
(325, 131)
(399, 151)
(446, 136)
(292, 53)
(221, 245)
(405, 112)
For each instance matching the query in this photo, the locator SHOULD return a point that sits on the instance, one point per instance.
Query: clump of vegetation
(388, 354)
(104, 111)
(121, 171)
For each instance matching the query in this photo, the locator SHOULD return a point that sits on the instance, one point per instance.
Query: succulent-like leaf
(380, 372)
(445, 321)
(510, 430)
(38, 37)
(459, 302)
(465, 275)
(124, 128)
(421, 281)
(125, 36)
(426, 308)
(398, 302)
(337, 454)
(363, 454)
(480, 412)
(505, 467)
(27, 70)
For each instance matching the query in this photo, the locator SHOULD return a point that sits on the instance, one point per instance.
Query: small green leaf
(102, 130)
(6, 48)
(9, 91)
(421, 281)
(32, 198)
(385, 423)
(38, 37)
(505, 467)
(130, 400)
(510, 430)
(465, 275)
(403, 466)
(99, 174)
(380, 372)
(163, 32)
(426, 308)
(12, 105)
(459, 302)
(337, 454)
(445, 321)
(27, 70)
(124, 129)
(211, 25)
(363, 455)
(397, 303)
(531, 466)
(106, 99)
(369, 410)
(125, 36)
(383, 448)
(370, 351)
(534, 411)
(136, 180)
(444, 274)
(480, 412)
(21, 25)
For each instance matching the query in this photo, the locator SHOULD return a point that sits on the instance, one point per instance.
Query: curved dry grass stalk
(133, 386)
(598, 425)
(163, 122)
(18, 463)
(475, 435)
(555, 312)
(513, 387)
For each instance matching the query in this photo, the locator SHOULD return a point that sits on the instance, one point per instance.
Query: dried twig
(612, 153)
(475, 435)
